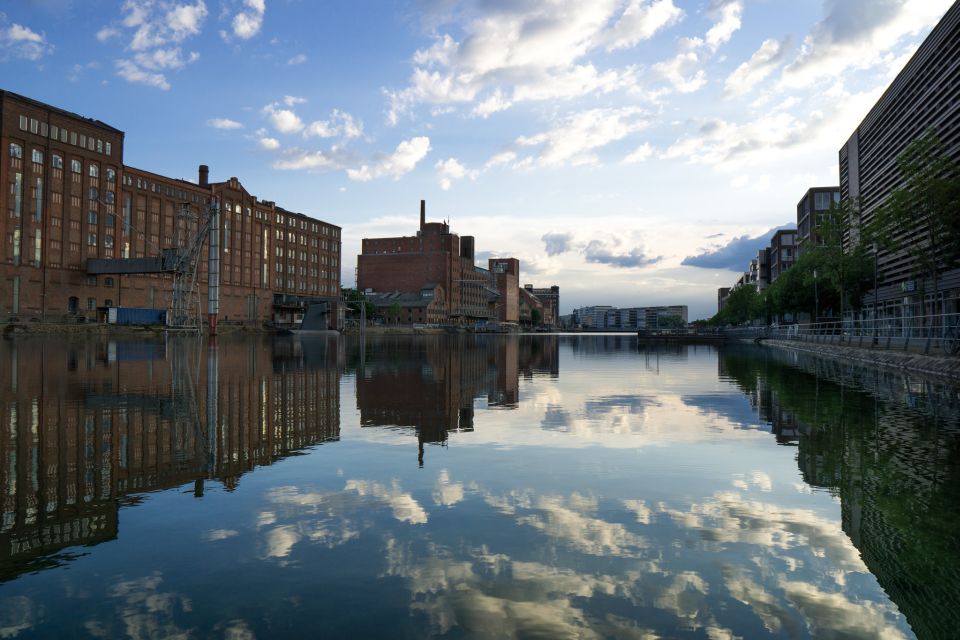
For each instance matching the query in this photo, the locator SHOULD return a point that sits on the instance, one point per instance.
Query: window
(54, 132)
(108, 282)
(92, 240)
(107, 149)
(16, 151)
(83, 140)
(94, 194)
(109, 197)
(99, 145)
(821, 201)
(63, 136)
(43, 129)
(36, 156)
(91, 304)
(92, 217)
(56, 161)
(108, 242)
(34, 125)
(94, 171)
(73, 138)
(23, 123)
(75, 166)
(108, 221)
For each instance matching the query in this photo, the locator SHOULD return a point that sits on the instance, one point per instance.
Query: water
(522, 486)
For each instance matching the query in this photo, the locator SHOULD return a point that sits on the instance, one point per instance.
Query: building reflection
(89, 427)
(430, 383)
(894, 464)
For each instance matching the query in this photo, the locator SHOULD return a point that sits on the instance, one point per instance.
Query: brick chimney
(423, 213)
(204, 175)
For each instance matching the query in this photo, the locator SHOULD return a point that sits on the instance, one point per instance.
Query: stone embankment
(940, 366)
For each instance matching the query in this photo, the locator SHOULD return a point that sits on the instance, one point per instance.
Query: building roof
(381, 300)
(63, 112)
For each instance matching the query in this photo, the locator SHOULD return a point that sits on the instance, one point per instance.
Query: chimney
(423, 213)
(204, 175)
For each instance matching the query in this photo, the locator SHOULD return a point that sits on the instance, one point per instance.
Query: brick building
(434, 256)
(70, 199)
(550, 298)
(506, 279)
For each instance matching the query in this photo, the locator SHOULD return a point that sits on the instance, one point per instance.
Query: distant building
(630, 318)
(814, 203)
(531, 309)
(923, 97)
(505, 273)
(592, 317)
(434, 256)
(762, 278)
(722, 294)
(550, 297)
(783, 252)
(427, 306)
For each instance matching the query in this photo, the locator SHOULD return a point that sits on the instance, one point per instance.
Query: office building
(922, 98)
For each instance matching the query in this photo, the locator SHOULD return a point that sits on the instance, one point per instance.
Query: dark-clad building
(70, 200)
(783, 252)
(922, 98)
(814, 203)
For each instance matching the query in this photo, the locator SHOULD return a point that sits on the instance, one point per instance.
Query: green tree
(743, 305)
(353, 299)
(849, 273)
(921, 218)
(535, 317)
(394, 312)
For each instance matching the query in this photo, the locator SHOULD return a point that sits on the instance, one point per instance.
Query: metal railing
(939, 332)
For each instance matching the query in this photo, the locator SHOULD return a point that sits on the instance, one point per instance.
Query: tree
(849, 272)
(394, 312)
(353, 300)
(535, 317)
(742, 305)
(921, 218)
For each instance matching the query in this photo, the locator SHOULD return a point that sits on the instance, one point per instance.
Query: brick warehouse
(433, 257)
(71, 199)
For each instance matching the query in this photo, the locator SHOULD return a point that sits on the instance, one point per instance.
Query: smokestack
(204, 175)
(423, 213)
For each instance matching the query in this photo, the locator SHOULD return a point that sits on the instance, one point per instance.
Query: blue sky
(602, 143)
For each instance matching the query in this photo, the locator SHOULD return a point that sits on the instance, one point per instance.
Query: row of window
(65, 136)
(56, 162)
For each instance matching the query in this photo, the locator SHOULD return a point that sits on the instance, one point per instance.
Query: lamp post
(876, 294)
(816, 299)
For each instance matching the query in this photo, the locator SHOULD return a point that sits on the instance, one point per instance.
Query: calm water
(523, 486)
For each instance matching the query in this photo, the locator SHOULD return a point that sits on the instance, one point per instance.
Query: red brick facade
(69, 198)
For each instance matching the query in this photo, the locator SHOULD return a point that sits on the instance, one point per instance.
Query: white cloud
(297, 159)
(283, 120)
(449, 170)
(678, 72)
(224, 123)
(269, 144)
(132, 73)
(292, 101)
(640, 21)
(529, 51)
(160, 59)
(338, 124)
(300, 58)
(727, 24)
(760, 65)
(403, 160)
(107, 33)
(640, 154)
(502, 158)
(248, 22)
(18, 41)
(855, 33)
(573, 140)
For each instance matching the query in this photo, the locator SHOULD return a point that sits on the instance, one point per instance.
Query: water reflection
(90, 424)
(592, 488)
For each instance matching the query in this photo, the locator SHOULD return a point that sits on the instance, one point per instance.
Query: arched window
(94, 171)
(16, 151)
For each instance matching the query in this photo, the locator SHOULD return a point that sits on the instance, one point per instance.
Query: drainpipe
(213, 268)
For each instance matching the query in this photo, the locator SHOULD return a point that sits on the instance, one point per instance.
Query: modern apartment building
(71, 200)
(783, 252)
(628, 318)
(925, 96)
(814, 203)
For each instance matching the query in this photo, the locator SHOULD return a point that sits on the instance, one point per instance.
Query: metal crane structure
(191, 231)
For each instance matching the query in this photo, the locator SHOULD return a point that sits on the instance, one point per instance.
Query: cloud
(641, 20)
(736, 254)
(760, 65)
(640, 154)
(269, 144)
(573, 140)
(555, 243)
(18, 41)
(856, 33)
(157, 27)
(728, 23)
(247, 22)
(527, 51)
(609, 253)
(298, 159)
(132, 73)
(340, 123)
(403, 160)
(283, 120)
(681, 71)
(300, 58)
(224, 123)
(449, 170)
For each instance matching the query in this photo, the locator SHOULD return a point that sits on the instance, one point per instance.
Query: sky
(633, 152)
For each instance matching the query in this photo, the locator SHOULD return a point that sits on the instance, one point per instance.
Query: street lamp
(816, 299)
